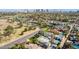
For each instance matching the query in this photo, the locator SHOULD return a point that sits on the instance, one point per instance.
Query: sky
(31, 10)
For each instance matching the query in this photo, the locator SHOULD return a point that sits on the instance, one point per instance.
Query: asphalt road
(65, 38)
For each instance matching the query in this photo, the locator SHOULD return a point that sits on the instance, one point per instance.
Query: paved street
(65, 38)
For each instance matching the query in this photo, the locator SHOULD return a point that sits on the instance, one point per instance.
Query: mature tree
(9, 30)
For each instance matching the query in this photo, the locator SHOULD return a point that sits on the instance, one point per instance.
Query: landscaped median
(21, 39)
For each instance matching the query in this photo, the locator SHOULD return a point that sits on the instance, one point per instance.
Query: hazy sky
(21, 10)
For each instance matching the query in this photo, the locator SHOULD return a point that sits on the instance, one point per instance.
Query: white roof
(43, 39)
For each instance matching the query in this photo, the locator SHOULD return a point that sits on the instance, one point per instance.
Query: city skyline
(32, 10)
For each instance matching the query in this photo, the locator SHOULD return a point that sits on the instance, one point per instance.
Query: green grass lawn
(45, 29)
